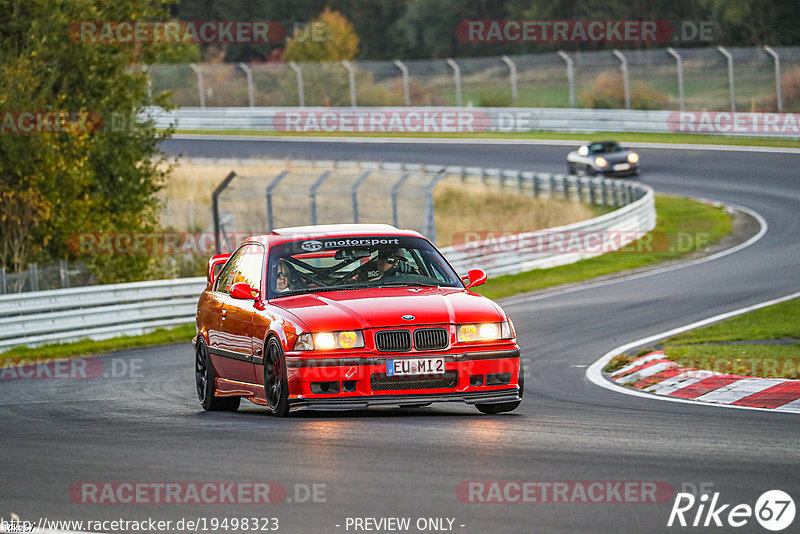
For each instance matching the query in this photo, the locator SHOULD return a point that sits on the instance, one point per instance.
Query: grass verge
(683, 227)
(85, 347)
(760, 343)
(623, 137)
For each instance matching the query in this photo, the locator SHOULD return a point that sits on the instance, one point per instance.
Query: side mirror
(214, 266)
(475, 277)
(243, 291)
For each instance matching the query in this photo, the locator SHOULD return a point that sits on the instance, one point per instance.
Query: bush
(608, 92)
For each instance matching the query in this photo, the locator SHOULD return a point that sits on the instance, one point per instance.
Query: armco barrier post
(778, 93)
(215, 208)
(456, 78)
(570, 76)
(270, 188)
(625, 81)
(731, 87)
(354, 192)
(248, 72)
(200, 86)
(301, 95)
(312, 195)
(406, 91)
(395, 188)
(513, 75)
(679, 65)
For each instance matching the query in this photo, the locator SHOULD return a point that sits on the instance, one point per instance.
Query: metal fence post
(33, 273)
(625, 81)
(457, 78)
(215, 208)
(301, 95)
(354, 192)
(351, 75)
(429, 222)
(778, 91)
(312, 195)
(570, 76)
(679, 64)
(250, 89)
(729, 57)
(63, 271)
(200, 86)
(3, 286)
(395, 188)
(513, 74)
(146, 71)
(406, 91)
(270, 188)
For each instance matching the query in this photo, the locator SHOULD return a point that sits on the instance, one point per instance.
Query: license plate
(415, 366)
(622, 166)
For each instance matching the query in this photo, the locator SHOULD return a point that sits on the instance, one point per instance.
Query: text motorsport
(402, 121)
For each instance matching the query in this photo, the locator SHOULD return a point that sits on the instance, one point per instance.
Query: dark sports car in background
(347, 317)
(603, 157)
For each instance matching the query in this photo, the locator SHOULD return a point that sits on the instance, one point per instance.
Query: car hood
(385, 307)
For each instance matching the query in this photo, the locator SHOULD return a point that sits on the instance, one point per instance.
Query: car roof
(282, 235)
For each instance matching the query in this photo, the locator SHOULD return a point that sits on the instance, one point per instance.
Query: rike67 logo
(774, 510)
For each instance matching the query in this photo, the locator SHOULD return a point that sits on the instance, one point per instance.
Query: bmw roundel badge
(407, 317)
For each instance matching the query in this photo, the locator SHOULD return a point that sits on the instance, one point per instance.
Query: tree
(102, 174)
(340, 41)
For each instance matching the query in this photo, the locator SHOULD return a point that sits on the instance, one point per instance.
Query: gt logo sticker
(311, 246)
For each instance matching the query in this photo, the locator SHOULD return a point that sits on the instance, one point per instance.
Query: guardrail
(457, 120)
(96, 312)
(99, 312)
(511, 254)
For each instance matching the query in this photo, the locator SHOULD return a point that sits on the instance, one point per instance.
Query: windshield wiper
(407, 284)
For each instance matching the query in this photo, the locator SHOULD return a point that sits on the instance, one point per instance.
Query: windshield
(604, 148)
(330, 264)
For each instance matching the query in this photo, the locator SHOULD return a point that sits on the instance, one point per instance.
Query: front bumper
(479, 377)
(359, 403)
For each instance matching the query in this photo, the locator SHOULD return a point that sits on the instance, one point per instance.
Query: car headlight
(484, 332)
(600, 161)
(345, 339)
(633, 157)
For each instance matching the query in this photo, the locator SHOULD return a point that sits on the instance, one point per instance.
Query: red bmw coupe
(345, 317)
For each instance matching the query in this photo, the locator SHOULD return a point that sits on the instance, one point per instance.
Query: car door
(237, 316)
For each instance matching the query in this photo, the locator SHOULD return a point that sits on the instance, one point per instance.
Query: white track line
(595, 371)
(762, 231)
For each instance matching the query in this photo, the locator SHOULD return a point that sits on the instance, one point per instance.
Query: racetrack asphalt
(148, 426)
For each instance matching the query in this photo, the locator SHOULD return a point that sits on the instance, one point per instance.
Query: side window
(246, 265)
(228, 273)
(251, 268)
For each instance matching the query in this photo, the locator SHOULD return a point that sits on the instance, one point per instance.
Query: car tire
(276, 384)
(205, 381)
(570, 168)
(590, 171)
(500, 407)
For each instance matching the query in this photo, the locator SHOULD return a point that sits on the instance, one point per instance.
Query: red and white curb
(663, 379)
(654, 373)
